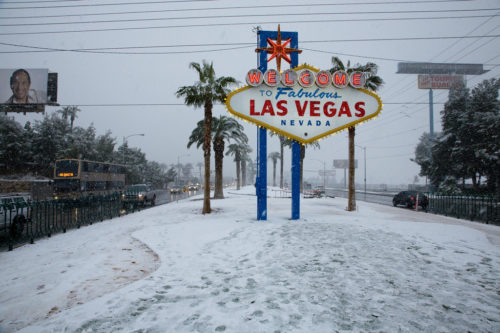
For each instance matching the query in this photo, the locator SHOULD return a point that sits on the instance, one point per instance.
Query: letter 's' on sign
(303, 103)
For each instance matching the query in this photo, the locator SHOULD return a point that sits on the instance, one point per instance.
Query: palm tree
(240, 152)
(283, 142)
(244, 159)
(252, 168)
(205, 92)
(223, 129)
(234, 149)
(274, 157)
(69, 112)
(372, 82)
(315, 144)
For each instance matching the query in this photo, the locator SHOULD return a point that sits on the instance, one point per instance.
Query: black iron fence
(484, 209)
(24, 221)
(479, 208)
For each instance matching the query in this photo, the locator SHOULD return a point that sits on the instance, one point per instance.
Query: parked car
(15, 212)
(139, 194)
(319, 191)
(409, 198)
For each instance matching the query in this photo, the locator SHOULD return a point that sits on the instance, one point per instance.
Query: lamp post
(179, 166)
(364, 156)
(125, 140)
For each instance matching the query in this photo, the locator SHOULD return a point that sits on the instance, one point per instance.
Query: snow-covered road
(172, 269)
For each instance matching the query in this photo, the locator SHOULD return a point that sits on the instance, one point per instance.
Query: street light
(364, 152)
(125, 140)
(179, 166)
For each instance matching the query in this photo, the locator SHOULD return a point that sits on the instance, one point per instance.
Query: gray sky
(168, 35)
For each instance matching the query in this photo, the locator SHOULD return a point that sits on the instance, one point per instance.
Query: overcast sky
(123, 73)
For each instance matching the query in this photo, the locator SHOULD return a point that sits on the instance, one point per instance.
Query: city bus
(76, 177)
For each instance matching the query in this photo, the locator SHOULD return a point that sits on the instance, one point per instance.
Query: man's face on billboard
(20, 86)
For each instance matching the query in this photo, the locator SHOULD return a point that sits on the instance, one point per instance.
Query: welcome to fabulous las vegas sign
(304, 103)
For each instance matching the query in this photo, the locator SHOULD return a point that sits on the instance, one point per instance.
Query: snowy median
(172, 269)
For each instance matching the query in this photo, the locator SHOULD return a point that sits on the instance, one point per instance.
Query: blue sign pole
(295, 180)
(261, 181)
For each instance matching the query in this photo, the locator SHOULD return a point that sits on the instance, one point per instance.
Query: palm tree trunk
(206, 155)
(219, 156)
(351, 205)
(244, 173)
(281, 162)
(274, 172)
(238, 179)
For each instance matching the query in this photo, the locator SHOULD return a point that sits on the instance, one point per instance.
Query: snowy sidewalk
(172, 269)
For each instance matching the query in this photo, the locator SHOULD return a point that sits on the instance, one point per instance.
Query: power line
(107, 4)
(213, 25)
(48, 1)
(273, 14)
(145, 104)
(391, 156)
(43, 50)
(386, 136)
(241, 44)
(184, 1)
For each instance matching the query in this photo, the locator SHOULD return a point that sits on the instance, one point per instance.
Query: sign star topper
(278, 50)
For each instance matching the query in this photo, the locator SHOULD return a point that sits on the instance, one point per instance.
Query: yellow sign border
(291, 136)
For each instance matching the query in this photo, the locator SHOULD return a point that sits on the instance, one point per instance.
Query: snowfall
(172, 269)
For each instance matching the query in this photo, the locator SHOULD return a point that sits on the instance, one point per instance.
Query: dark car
(139, 194)
(409, 198)
(15, 213)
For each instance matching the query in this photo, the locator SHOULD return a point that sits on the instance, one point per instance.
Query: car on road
(192, 187)
(409, 199)
(139, 194)
(175, 190)
(15, 213)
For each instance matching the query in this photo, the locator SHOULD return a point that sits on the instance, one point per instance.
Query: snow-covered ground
(172, 269)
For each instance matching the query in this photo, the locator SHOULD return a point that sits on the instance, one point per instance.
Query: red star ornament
(278, 50)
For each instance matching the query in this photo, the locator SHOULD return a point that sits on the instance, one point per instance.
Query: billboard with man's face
(23, 86)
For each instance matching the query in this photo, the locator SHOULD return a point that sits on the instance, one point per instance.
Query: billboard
(344, 164)
(303, 103)
(439, 68)
(23, 86)
(437, 81)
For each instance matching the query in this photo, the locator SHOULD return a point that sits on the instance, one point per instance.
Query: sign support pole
(261, 181)
(295, 180)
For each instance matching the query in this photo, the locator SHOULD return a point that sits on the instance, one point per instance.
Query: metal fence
(484, 209)
(25, 221)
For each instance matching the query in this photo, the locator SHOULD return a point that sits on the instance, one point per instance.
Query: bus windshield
(66, 168)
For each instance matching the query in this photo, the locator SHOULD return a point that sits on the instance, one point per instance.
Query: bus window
(66, 168)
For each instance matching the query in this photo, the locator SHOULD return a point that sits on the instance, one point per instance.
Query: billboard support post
(431, 114)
